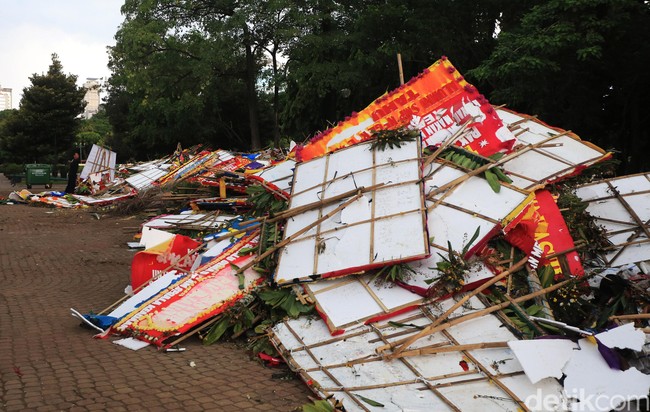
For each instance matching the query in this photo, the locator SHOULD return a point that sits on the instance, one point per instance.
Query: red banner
(195, 298)
(437, 102)
(540, 231)
(150, 263)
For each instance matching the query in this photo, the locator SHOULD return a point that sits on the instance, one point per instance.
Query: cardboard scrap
(623, 337)
(591, 381)
(131, 343)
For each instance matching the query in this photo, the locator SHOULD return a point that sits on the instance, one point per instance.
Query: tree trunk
(276, 103)
(253, 115)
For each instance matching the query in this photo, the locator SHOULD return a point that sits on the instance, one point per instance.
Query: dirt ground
(52, 260)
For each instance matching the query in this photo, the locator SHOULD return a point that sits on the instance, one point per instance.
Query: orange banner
(437, 102)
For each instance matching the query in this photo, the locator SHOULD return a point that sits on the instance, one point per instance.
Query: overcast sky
(77, 30)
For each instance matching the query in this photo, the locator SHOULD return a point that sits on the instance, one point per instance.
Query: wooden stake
(399, 66)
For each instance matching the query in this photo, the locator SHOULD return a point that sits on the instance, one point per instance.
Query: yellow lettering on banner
(549, 249)
(555, 264)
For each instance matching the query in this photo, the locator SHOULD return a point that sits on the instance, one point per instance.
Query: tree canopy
(580, 65)
(43, 128)
(241, 74)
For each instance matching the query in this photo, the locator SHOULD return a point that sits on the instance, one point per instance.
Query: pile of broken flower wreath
(487, 312)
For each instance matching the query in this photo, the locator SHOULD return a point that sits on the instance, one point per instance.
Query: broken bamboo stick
(631, 317)
(453, 348)
(461, 302)
(431, 330)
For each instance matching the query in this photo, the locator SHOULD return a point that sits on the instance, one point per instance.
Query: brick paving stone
(54, 259)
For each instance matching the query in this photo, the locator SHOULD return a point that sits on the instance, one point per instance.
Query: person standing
(72, 174)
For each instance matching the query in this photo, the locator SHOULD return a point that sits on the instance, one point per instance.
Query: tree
(347, 54)
(188, 72)
(6, 117)
(96, 130)
(580, 65)
(44, 128)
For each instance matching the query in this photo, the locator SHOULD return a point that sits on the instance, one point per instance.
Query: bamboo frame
(369, 174)
(461, 302)
(480, 372)
(638, 227)
(638, 316)
(473, 315)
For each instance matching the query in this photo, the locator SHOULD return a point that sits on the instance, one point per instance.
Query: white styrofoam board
(348, 365)
(620, 225)
(559, 158)
(279, 174)
(381, 227)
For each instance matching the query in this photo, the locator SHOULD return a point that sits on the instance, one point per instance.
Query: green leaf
(533, 310)
(284, 299)
(370, 401)
(217, 331)
(497, 156)
(546, 275)
(240, 276)
(249, 316)
(262, 327)
(493, 181)
(474, 236)
(404, 325)
(247, 251)
(318, 406)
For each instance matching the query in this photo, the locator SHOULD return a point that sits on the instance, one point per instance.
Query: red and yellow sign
(540, 231)
(150, 263)
(195, 298)
(437, 102)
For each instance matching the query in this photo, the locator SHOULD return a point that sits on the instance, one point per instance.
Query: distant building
(5, 98)
(92, 86)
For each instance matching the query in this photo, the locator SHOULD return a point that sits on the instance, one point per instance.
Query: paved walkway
(52, 260)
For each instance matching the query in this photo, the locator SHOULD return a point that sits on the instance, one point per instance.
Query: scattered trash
(131, 343)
